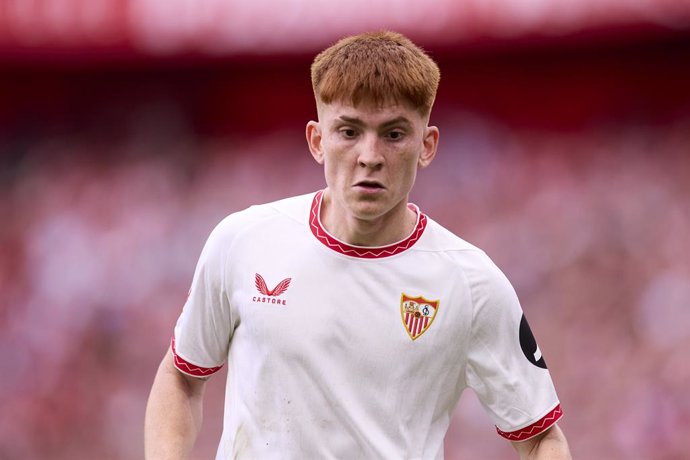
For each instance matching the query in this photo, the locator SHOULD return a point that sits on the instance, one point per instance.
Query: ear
(430, 140)
(314, 141)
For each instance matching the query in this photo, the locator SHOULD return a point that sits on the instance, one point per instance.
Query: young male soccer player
(351, 321)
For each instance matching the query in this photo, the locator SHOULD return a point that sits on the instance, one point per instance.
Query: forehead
(368, 113)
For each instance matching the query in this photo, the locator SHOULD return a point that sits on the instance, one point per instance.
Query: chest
(364, 313)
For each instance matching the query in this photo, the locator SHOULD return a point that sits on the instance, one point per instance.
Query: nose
(369, 155)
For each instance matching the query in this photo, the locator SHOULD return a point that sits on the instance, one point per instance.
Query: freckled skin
(370, 156)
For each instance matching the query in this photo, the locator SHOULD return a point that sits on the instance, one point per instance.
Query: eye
(395, 135)
(348, 133)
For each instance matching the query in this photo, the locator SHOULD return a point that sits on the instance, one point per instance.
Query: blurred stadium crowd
(130, 128)
(98, 252)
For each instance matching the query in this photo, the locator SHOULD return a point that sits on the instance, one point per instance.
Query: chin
(367, 210)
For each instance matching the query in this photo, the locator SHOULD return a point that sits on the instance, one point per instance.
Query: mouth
(371, 185)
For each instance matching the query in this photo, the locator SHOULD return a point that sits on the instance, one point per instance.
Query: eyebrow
(394, 121)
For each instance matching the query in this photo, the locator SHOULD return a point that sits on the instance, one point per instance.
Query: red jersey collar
(363, 252)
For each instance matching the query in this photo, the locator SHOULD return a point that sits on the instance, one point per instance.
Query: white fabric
(328, 368)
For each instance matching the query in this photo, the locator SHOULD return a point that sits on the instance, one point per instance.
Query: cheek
(406, 170)
(334, 168)
(407, 163)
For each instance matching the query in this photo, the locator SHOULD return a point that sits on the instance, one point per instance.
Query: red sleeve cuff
(541, 425)
(191, 369)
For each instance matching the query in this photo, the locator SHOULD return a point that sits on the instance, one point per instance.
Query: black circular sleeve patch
(529, 345)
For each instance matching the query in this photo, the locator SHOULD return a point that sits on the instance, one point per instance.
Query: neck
(396, 225)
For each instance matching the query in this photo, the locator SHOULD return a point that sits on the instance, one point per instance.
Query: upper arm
(550, 444)
(173, 412)
(205, 326)
(192, 386)
(504, 366)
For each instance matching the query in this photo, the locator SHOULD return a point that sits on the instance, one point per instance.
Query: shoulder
(479, 271)
(264, 220)
(437, 238)
(290, 210)
(466, 255)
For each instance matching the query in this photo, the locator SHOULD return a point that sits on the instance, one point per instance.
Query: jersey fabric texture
(339, 351)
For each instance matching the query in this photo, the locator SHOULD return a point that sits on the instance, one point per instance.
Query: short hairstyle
(378, 67)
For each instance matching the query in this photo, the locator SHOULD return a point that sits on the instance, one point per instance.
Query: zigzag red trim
(534, 429)
(189, 368)
(358, 251)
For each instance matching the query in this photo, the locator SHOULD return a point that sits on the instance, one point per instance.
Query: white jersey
(339, 351)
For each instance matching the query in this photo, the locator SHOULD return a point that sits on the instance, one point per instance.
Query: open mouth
(369, 185)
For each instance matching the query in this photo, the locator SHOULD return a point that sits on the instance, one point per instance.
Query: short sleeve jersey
(340, 351)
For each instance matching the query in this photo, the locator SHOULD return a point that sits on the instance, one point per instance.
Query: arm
(549, 445)
(173, 413)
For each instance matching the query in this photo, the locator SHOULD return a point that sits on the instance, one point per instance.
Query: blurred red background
(128, 129)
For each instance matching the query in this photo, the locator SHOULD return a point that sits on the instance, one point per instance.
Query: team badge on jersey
(417, 314)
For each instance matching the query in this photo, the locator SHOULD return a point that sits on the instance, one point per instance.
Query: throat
(389, 228)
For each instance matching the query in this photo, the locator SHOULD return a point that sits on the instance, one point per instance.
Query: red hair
(376, 67)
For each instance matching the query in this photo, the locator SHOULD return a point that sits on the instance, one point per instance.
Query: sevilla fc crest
(417, 314)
